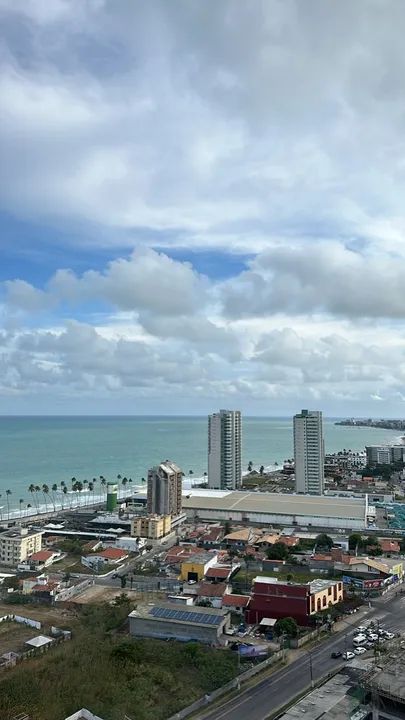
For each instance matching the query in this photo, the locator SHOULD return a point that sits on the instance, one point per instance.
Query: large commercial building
(224, 450)
(274, 599)
(17, 544)
(164, 489)
(309, 452)
(168, 621)
(262, 509)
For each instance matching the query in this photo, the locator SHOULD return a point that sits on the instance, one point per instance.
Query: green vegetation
(323, 541)
(278, 551)
(111, 674)
(368, 545)
(286, 626)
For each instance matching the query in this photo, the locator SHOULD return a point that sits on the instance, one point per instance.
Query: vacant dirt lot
(98, 593)
(13, 636)
(43, 613)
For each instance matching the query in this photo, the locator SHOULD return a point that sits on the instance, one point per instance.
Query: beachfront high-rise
(224, 450)
(309, 452)
(164, 489)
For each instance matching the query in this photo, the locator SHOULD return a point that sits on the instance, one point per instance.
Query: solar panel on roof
(186, 615)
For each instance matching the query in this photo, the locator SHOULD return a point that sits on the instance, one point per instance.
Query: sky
(202, 206)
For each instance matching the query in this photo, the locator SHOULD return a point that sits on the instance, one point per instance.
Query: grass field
(111, 674)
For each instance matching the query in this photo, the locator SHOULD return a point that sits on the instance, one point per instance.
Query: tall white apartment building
(224, 450)
(309, 452)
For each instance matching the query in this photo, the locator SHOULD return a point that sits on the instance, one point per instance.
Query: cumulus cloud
(268, 130)
(318, 277)
(243, 120)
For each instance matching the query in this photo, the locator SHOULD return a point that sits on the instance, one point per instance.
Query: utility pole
(311, 670)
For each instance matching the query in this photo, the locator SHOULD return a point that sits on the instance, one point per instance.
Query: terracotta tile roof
(390, 546)
(45, 588)
(319, 557)
(41, 556)
(235, 600)
(111, 553)
(289, 540)
(219, 572)
(179, 553)
(212, 535)
(211, 590)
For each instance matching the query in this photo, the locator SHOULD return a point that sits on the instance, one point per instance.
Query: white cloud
(261, 128)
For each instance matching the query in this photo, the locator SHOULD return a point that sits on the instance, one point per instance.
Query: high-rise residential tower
(224, 450)
(164, 489)
(309, 452)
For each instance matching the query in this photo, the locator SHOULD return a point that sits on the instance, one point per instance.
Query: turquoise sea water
(51, 449)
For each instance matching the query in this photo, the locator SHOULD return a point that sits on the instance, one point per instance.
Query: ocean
(49, 450)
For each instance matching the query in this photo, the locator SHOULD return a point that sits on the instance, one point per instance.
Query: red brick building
(273, 599)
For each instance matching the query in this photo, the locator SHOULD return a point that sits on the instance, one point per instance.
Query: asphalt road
(284, 685)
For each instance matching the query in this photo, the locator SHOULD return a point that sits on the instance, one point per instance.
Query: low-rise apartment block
(17, 544)
(152, 527)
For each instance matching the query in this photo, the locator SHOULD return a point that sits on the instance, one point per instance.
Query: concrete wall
(149, 627)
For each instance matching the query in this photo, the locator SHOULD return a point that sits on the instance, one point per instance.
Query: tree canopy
(287, 626)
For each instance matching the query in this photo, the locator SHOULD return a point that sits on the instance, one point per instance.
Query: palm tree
(124, 483)
(64, 493)
(8, 493)
(21, 500)
(37, 490)
(143, 481)
(45, 490)
(86, 487)
(103, 482)
(28, 507)
(54, 490)
(1, 508)
(94, 481)
(91, 489)
(31, 490)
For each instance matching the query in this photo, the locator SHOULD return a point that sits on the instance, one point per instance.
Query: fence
(68, 593)
(232, 685)
(20, 619)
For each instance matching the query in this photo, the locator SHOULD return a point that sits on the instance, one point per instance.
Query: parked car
(360, 650)
(349, 655)
(360, 639)
(389, 635)
(361, 629)
(336, 654)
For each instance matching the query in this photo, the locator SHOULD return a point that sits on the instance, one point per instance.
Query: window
(324, 601)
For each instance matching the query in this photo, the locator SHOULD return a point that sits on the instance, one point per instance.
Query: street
(284, 685)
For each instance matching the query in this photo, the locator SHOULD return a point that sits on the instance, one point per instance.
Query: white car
(372, 636)
(359, 650)
(389, 635)
(349, 655)
(359, 639)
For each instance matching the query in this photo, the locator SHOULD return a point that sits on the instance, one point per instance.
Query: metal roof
(277, 504)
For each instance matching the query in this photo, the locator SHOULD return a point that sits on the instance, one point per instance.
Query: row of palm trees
(51, 495)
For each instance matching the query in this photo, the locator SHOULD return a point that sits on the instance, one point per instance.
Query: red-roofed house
(212, 592)
(179, 553)
(211, 538)
(289, 540)
(389, 546)
(219, 572)
(110, 555)
(40, 559)
(236, 603)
